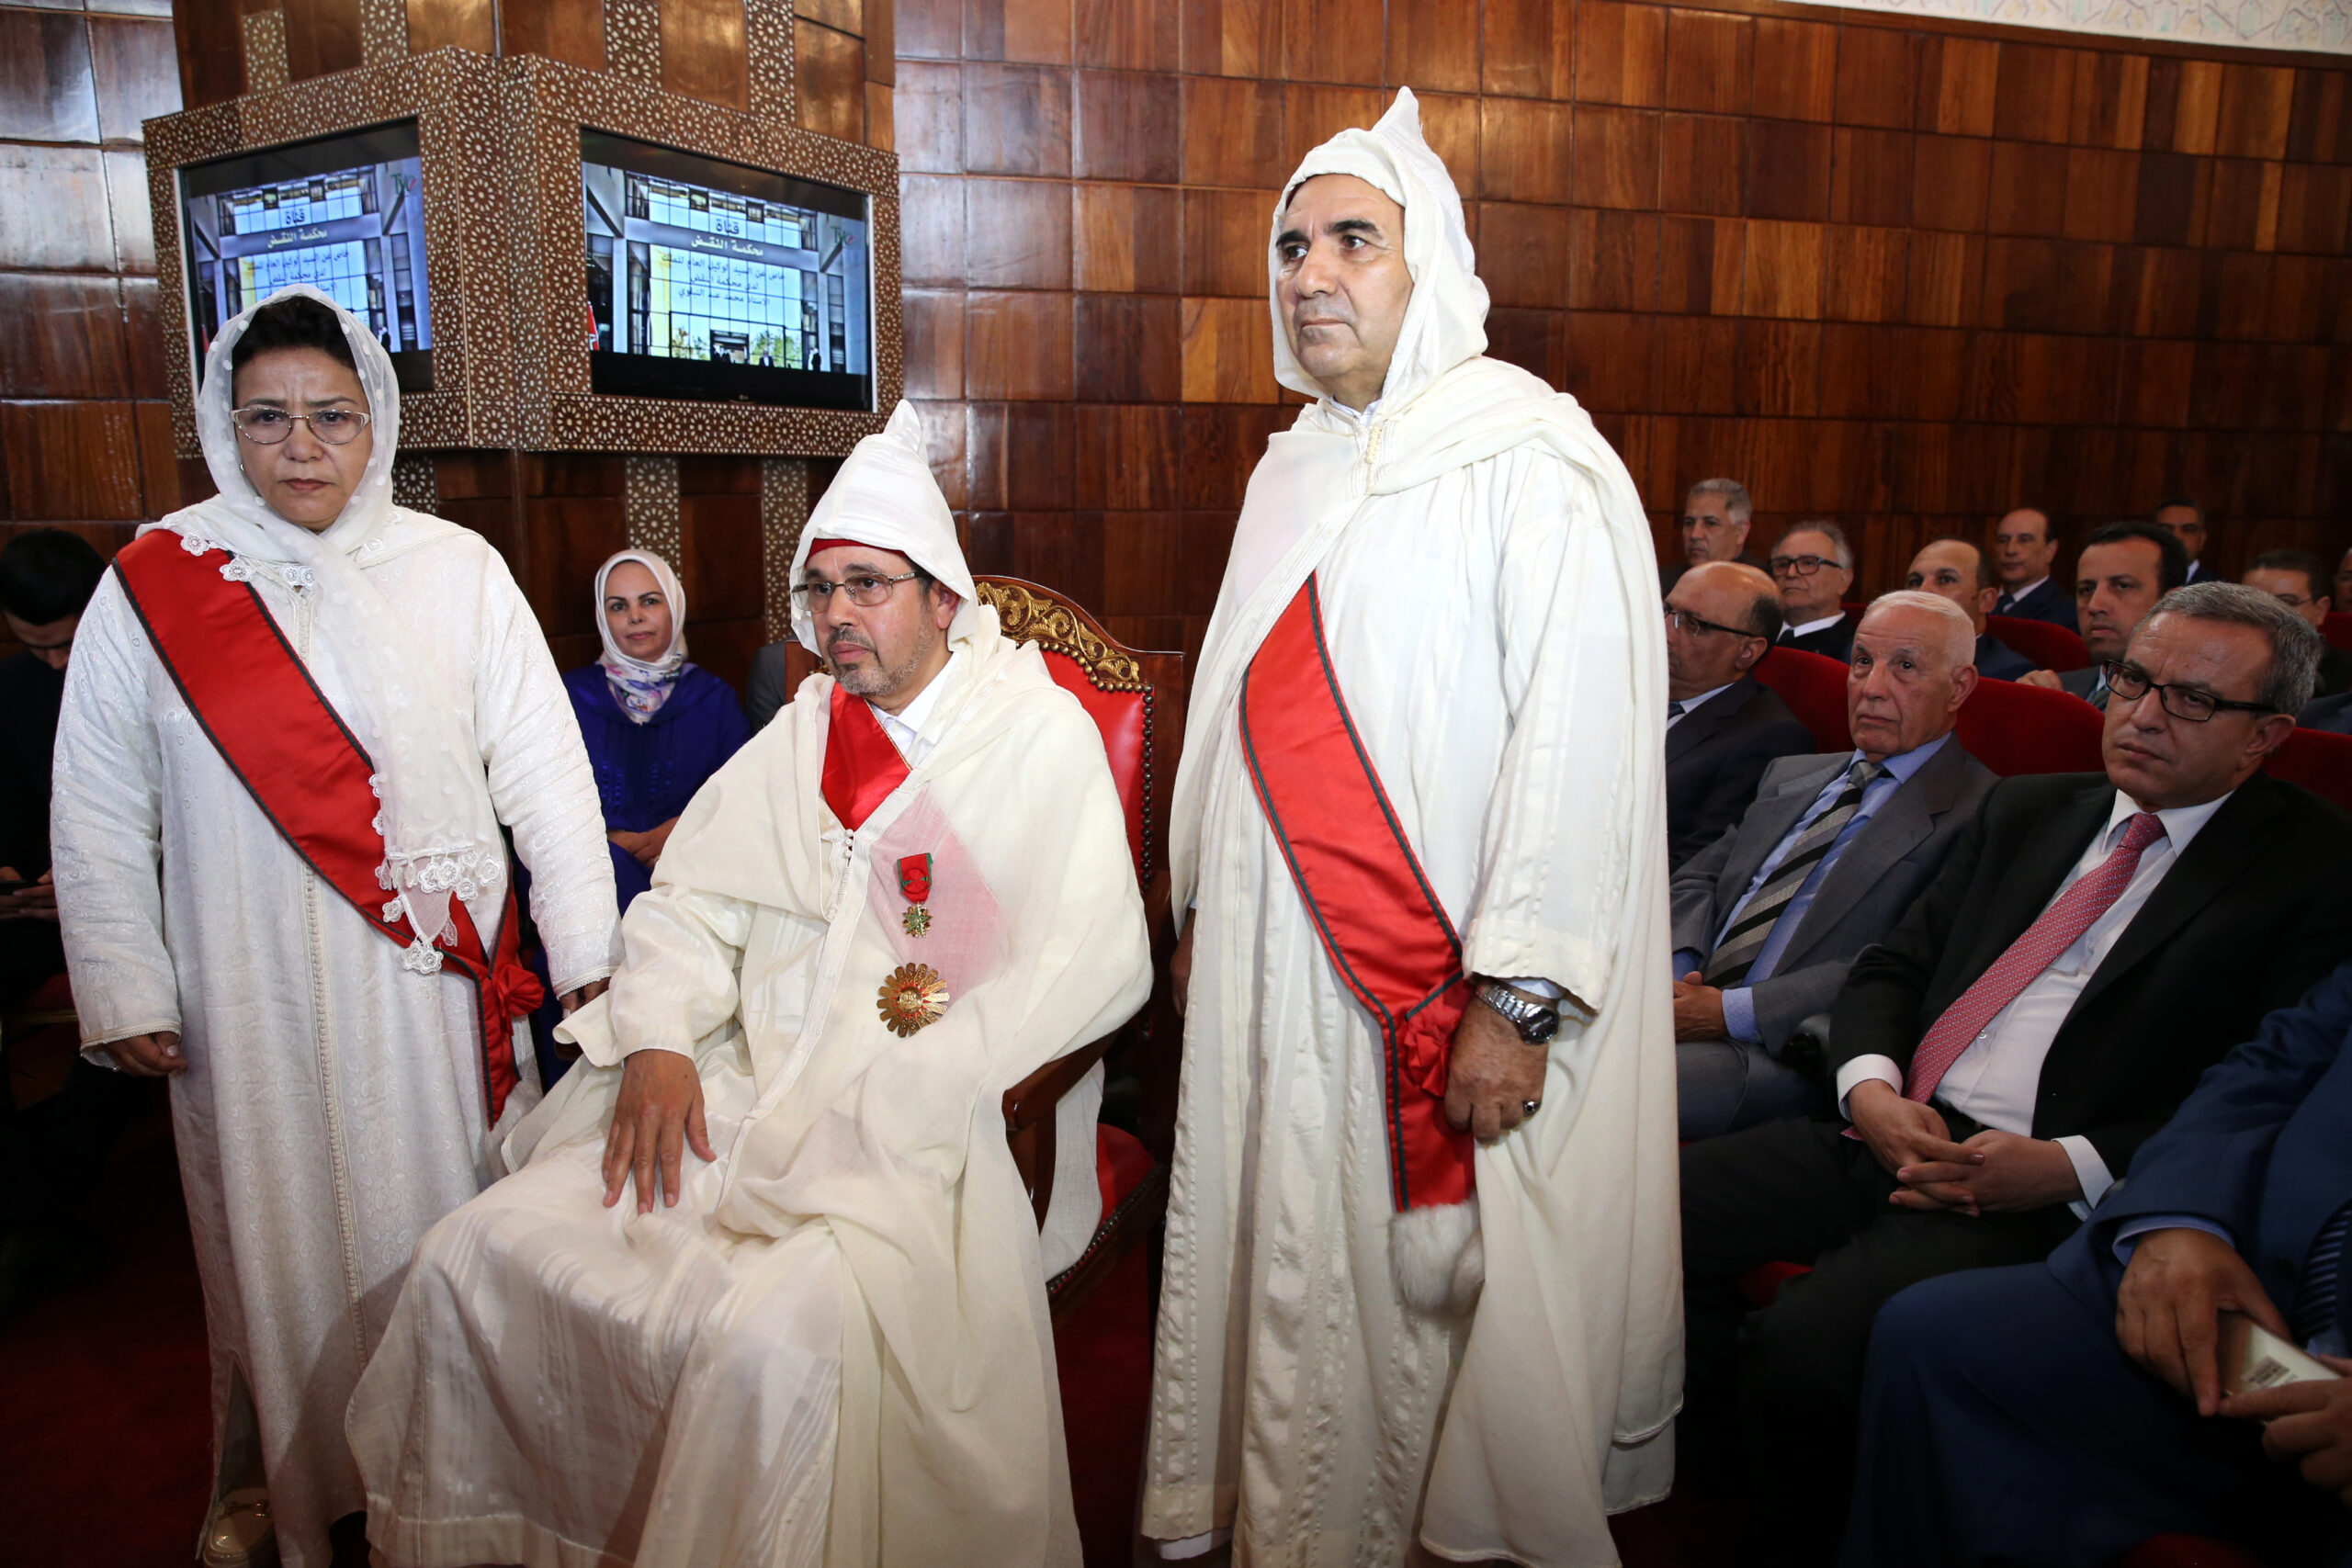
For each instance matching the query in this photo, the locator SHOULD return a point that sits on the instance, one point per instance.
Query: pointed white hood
(884, 496)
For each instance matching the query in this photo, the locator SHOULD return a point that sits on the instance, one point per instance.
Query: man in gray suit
(1768, 917)
(769, 688)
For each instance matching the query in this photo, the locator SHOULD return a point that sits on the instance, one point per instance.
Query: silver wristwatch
(1536, 1021)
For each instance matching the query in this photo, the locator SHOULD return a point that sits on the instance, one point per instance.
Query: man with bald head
(1957, 570)
(1724, 728)
(1768, 917)
(2025, 551)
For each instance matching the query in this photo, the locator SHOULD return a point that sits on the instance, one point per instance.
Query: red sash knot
(1388, 936)
(256, 703)
(862, 764)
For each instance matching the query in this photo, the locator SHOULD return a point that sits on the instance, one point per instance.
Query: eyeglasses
(867, 592)
(1684, 621)
(2293, 601)
(2190, 703)
(267, 426)
(1800, 565)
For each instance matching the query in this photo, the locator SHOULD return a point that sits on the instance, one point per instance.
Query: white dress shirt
(2014, 594)
(905, 727)
(1790, 634)
(1997, 1079)
(1691, 705)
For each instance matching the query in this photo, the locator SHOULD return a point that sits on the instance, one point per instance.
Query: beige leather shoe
(240, 1534)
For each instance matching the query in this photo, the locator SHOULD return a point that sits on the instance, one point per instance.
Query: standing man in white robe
(829, 1341)
(339, 1081)
(1332, 1384)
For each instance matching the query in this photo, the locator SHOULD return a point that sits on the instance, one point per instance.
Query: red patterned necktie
(2061, 926)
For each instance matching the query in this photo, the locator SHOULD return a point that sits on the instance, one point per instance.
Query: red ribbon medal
(914, 881)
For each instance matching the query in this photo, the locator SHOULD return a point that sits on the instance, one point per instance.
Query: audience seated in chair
(1713, 526)
(2331, 716)
(2063, 1413)
(2125, 567)
(1812, 566)
(1768, 917)
(1723, 728)
(1958, 570)
(2025, 551)
(2092, 945)
(2298, 580)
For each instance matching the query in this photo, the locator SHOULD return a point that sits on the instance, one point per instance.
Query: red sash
(307, 772)
(1387, 935)
(862, 764)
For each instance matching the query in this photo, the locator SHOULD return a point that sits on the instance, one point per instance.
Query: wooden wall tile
(1129, 239)
(1529, 48)
(71, 460)
(160, 488)
(1228, 352)
(1142, 560)
(2110, 100)
(2255, 108)
(1222, 443)
(931, 230)
(1017, 345)
(1778, 371)
(2173, 194)
(723, 576)
(1016, 119)
(1033, 32)
(1312, 114)
(2165, 293)
(1697, 363)
(1709, 59)
(2021, 284)
(322, 36)
(1126, 125)
(2246, 194)
(1129, 348)
(1233, 38)
(67, 186)
(2319, 130)
(828, 74)
(444, 24)
(1947, 278)
(1536, 341)
(1434, 44)
(64, 337)
(1128, 35)
(1701, 265)
(2102, 194)
(2089, 297)
(2236, 302)
(1797, 68)
(1224, 241)
(1870, 177)
(1608, 360)
(1615, 155)
(46, 93)
(211, 39)
(933, 324)
(2303, 302)
(2196, 105)
(1233, 133)
(1951, 182)
(1021, 455)
(569, 30)
(2028, 189)
(1620, 53)
(1523, 254)
(1128, 456)
(134, 74)
(929, 30)
(1332, 41)
(1878, 77)
(143, 342)
(2035, 99)
(704, 55)
(1959, 84)
(929, 110)
(1783, 271)
(2315, 207)
(1788, 170)
(1703, 162)
(1613, 259)
(1867, 273)
(1451, 124)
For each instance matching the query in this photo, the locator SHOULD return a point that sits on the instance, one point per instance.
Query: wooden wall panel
(1897, 272)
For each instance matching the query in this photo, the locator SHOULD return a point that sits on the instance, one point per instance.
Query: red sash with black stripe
(304, 767)
(1388, 938)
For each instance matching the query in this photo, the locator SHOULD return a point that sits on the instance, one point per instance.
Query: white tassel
(1437, 1254)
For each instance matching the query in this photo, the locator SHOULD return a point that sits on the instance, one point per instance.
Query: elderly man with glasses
(1723, 728)
(1812, 566)
(2094, 942)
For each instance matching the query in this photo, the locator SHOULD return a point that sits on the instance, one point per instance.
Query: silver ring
(1530, 1107)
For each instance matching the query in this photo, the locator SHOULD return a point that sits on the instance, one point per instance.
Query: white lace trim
(422, 958)
(467, 872)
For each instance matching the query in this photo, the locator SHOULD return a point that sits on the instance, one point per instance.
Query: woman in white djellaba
(273, 687)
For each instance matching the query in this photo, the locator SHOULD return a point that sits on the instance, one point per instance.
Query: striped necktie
(2316, 1299)
(2074, 912)
(1737, 953)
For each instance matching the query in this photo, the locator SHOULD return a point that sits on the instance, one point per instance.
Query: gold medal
(912, 997)
(917, 919)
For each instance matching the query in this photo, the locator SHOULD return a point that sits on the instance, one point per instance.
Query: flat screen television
(712, 281)
(345, 214)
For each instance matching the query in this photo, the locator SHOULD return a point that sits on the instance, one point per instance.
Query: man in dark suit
(1768, 917)
(2186, 522)
(2298, 580)
(1722, 727)
(1714, 527)
(2063, 1414)
(2330, 715)
(1812, 566)
(1957, 570)
(770, 686)
(2025, 547)
(2093, 944)
(2124, 569)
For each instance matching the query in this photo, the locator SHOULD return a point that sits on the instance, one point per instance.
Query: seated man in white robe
(765, 1287)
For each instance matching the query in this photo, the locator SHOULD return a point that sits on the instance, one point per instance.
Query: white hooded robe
(1488, 597)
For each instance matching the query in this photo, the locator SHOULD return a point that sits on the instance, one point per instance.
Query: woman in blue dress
(656, 726)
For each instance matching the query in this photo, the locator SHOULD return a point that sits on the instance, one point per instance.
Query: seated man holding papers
(828, 1341)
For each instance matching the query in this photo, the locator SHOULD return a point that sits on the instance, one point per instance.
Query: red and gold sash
(862, 764)
(1388, 936)
(308, 772)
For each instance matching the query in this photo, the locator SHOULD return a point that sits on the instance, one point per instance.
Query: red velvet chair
(2338, 628)
(2319, 762)
(2017, 729)
(2049, 646)
(1814, 688)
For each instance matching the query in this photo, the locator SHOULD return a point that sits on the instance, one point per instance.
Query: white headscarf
(440, 830)
(884, 496)
(642, 685)
(1446, 319)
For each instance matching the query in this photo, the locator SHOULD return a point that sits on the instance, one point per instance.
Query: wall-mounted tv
(708, 279)
(345, 214)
